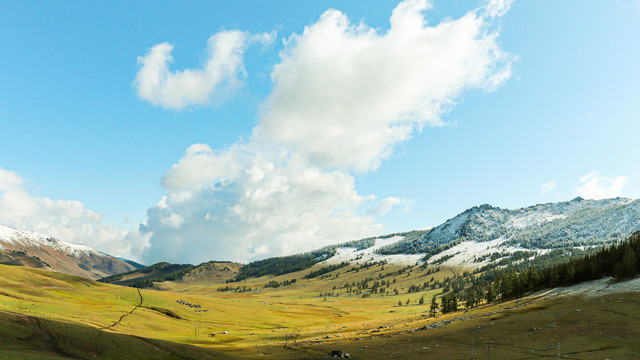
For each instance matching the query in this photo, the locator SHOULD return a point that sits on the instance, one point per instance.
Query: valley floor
(47, 315)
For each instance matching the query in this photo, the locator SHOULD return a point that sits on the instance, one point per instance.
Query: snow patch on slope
(597, 288)
(31, 238)
(533, 218)
(464, 254)
(355, 256)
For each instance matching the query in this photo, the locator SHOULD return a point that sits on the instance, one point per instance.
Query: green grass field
(47, 315)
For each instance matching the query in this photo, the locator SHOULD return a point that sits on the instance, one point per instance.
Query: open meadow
(51, 315)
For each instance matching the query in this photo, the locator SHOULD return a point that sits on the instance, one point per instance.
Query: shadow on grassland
(26, 337)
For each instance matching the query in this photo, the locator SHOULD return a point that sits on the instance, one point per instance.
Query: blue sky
(85, 156)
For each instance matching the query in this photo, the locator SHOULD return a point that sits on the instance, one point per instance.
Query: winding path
(125, 314)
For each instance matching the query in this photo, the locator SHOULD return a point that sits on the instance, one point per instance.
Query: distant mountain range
(29, 248)
(481, 238)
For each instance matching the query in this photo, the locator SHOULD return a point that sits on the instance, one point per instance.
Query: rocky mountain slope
(487, 236)
(37, 250)
(577, 224)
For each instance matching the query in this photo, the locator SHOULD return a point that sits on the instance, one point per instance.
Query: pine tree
(470, 298)
(421, 301)
(554, 278)
(453, 302)
(627, 267)
(434, 306)
(449, 303)
(491, 296)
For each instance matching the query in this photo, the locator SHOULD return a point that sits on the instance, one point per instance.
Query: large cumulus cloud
(344, 94)
(253, 201)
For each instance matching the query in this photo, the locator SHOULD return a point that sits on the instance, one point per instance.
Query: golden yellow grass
(295, 322)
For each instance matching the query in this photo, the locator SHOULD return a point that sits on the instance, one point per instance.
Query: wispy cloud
(496, 8)
(596, 186)
(548, 187)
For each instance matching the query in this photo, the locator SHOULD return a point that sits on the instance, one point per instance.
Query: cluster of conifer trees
(620, 260)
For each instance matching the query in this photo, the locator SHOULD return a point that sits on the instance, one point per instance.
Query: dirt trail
(125, 314)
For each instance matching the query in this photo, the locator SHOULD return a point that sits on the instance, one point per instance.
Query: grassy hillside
(210, 272)
(144, 277)
(371, 310)
(27, 337)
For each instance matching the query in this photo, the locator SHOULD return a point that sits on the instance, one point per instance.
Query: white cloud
(595, 186)
(344, 94)
(173, 221)
(262, 202)
(66, 220)
(548, 187)
(495, 8)
(176, 90)
(388, 204)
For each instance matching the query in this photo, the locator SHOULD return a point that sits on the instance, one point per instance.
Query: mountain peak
(33, 249)
(541, 226)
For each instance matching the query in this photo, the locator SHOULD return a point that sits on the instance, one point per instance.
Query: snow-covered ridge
(355, 256)
(534, 218)
(467, 253)
(30, 238)
(574, 223)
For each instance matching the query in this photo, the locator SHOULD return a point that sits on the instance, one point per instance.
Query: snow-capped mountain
(33, 249)
(485, 235)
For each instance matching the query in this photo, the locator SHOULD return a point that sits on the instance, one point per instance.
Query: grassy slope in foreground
(48, 315)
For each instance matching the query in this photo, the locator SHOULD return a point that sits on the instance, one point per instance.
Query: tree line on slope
(145, 277)
(287, 264)
(283, 264)
(620, 261)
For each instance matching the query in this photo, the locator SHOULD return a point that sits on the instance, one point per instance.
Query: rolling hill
(212, 272)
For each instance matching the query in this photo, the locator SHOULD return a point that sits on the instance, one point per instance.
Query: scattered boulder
(339, 354)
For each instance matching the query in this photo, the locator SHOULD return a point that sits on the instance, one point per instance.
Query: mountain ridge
(33, 249)
(486, 222)
(481, 237)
